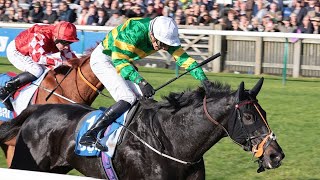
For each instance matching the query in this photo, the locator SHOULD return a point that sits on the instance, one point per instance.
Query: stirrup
(86, 142)
(98, 144)
(6, 101)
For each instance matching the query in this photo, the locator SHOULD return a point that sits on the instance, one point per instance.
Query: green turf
(292, 112)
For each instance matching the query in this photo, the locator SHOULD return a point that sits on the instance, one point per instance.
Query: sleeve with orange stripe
(124, 67)
(184, 60)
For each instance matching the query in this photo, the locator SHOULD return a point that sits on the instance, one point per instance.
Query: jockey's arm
(47, 59)
(184, 60)
(125, 68)
(51, 60)
(67, 55)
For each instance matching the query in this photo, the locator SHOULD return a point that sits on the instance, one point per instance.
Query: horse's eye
(248, 118)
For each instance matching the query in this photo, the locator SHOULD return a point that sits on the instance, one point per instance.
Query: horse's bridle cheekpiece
(257, 149)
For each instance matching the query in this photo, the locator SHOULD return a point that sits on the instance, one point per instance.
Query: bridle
(257, 149)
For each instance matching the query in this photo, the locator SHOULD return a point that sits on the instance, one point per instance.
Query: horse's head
(248, 127)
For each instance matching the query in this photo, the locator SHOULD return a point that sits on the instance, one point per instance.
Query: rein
(59, 95)
(89, 84)
(156, 151)
(257, 149)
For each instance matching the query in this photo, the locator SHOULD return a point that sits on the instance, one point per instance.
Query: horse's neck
(73, 87)
(191, 133)
(86, 81)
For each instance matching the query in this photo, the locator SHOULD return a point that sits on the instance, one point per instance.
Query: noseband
(257, 149)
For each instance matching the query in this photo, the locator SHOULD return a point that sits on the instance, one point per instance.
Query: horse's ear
(256, 89)
(239, 94)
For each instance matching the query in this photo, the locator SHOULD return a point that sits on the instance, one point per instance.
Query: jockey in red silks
(32, 51)
(111, 63)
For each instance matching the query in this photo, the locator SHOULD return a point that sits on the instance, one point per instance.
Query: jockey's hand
(74, 63)
(146, 88)
(66, 63)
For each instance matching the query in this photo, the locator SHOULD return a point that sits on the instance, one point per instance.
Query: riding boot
(12, 85)
(110, 115)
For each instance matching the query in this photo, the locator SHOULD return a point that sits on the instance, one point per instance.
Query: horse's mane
(86, 55)
(176, 101)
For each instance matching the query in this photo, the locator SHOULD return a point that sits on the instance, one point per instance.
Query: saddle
(111, 136)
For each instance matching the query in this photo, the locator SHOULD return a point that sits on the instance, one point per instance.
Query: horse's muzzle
(271, 158)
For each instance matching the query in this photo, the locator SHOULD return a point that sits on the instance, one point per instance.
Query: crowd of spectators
(298, 16)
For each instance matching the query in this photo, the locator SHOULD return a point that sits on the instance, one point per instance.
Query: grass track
(292, 112)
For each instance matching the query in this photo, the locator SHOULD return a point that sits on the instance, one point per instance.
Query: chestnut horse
(79, 86)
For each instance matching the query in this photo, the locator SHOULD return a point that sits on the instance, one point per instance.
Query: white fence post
(296, 59)
(258, 56)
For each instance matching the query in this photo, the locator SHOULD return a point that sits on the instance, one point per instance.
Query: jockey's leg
(110, 115)
(31, 71)
(103, 68)
(13, 84)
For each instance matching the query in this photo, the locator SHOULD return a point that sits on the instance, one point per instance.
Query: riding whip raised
(199, 65)
(58, 84)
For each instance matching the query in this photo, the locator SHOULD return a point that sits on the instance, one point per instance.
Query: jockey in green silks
(111, 63)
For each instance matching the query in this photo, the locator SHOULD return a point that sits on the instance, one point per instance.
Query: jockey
(32, 51)
(133, 40)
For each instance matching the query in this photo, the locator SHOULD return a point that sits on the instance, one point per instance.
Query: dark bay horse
(79, 86)
(164, 140)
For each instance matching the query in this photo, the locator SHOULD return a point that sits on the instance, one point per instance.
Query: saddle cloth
(5, 114)
(110, 138)
(22, 97)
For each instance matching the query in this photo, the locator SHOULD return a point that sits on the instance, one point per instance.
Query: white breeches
(22, 62)
(119, 88)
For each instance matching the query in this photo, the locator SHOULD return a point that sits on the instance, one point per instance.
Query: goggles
(63, 42)
(162, 45)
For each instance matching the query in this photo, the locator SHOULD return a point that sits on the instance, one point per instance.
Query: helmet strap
(153, 39)
(154, 42)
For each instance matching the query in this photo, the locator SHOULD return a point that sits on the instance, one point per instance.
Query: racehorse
(164, 140)
(74, 88)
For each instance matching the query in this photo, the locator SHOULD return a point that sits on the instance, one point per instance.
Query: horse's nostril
(276, 157)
